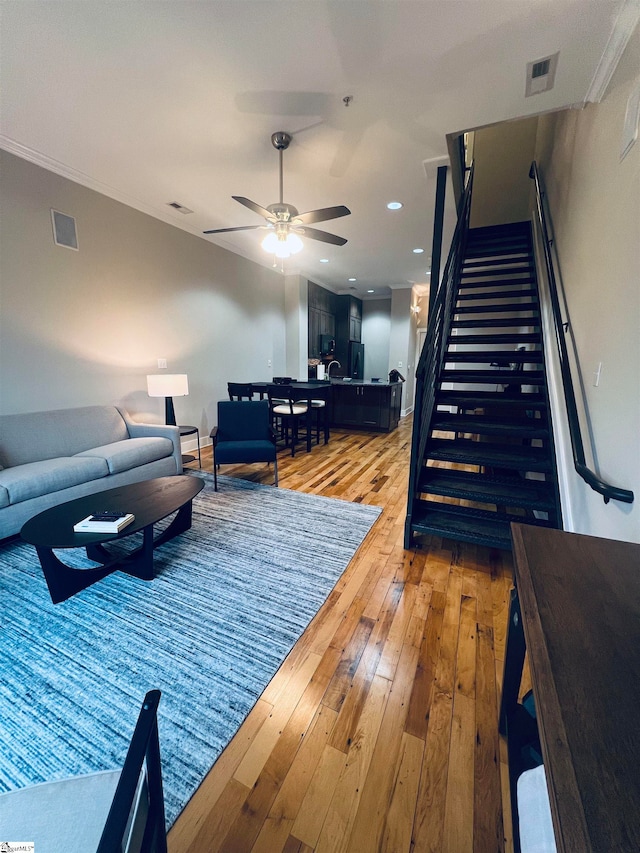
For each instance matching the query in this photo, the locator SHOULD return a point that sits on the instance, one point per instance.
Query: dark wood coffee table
(150, 501)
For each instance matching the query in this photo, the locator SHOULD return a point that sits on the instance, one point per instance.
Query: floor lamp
(168, 385)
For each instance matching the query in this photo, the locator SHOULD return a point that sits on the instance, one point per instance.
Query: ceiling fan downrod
(280, 141)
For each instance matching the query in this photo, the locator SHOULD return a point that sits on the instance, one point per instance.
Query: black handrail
(599, 485)
(435, 347)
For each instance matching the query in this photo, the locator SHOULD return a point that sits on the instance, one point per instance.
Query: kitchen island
(365, 404)
(357, 404)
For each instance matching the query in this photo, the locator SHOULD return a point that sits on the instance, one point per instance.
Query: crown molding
(622, 31)
(58, 168)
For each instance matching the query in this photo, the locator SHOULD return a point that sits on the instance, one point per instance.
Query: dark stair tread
(490, 529)
(475, 239)
(521, 274)
(497, 267)
(504, 338)
(511, 456)
(492, 534)
(462, 512)
(495, 322)
(483, 488)
(493, 377)
(511, 307)
(497, 250)
(523, 226)
(494, 285)
(483, 425)
(506, 294)
(504, 357)
(471, 399)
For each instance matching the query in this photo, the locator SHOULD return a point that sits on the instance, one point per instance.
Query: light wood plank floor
(380, 731)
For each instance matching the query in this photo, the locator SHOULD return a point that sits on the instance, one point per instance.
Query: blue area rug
(230, 599)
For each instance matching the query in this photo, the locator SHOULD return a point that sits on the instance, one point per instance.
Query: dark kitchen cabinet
(367, 406)
(348, 329)
(322, 318)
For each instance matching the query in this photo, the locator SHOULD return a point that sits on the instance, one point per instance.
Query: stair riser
(508, 294)
(496, 322)
(523, 377)
(512, 308)
(523, 338)
(489, 356)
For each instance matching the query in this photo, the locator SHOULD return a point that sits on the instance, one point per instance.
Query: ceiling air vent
(179, 207)
(541, 75)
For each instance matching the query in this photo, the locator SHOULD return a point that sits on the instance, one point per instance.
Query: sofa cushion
(64, 815)
(125, 455)
(228, 452)
(50, 475)
(35, 436)
(4, 497)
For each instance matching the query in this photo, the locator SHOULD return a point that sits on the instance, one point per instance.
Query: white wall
(297, 327)
(501, 187)
(376, 330)
(79, 328)
(595, 204)
(402, 343)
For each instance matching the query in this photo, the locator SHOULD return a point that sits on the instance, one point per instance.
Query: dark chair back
(281, 395)
(143, 822)
(243, 434)
(240, 390)
(243, 420)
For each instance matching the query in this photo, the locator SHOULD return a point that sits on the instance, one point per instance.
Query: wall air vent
(541, 75)
(179, 207)
(64, 230)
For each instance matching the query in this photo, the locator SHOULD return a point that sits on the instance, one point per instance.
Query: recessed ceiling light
(418, 251)
(394, 205)
(370, 291)
(353, 279)
(324, 260)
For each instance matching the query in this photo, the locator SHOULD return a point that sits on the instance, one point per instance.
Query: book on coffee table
(104, 522)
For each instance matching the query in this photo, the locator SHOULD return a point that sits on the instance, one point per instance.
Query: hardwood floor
(380, 730)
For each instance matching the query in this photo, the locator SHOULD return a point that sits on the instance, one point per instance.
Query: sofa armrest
(141, 430)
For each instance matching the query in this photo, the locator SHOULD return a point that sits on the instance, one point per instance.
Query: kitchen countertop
(340, 381)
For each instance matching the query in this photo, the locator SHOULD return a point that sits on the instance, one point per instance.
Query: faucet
(329, 366)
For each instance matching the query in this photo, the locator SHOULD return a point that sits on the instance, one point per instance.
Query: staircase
(485, 456)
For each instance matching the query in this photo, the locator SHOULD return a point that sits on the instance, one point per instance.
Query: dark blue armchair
(243, 434)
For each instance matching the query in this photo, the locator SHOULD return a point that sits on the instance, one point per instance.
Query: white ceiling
(173, 100)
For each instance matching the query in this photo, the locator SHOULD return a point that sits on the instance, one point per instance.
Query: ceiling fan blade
(322, 214)
(252, 205)
(240, 228)
(323, 236)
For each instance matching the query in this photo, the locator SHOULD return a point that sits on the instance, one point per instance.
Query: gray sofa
(47, 458)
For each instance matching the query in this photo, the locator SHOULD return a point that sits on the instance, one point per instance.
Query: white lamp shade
(167, 385)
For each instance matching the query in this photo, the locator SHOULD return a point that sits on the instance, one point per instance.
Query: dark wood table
(580, 602)
(187, 429)
(150, 501)
(308, 390)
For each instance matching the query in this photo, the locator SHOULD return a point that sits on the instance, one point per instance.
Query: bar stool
(288, 413)
(240, 390)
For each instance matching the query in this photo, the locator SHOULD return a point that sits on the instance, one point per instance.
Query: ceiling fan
(284, 223)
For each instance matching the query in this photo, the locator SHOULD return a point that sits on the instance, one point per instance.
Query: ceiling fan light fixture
(282, 245)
